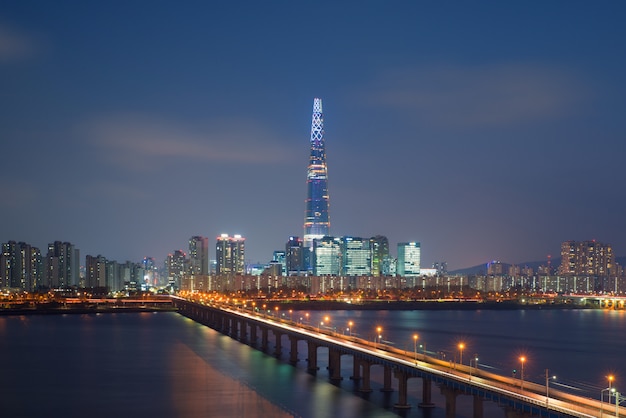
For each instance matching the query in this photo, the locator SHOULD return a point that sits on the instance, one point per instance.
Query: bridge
(519, 398)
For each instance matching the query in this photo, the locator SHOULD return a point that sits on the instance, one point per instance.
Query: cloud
(14, 45)
(139, 142)
(478, 97)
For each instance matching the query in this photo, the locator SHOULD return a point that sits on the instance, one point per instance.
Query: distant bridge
(518, 398)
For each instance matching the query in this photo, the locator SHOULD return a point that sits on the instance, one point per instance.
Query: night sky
(484, 130)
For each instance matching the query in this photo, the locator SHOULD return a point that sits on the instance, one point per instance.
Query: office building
(380, 255)
(356, 256)
(327, 256)
(408, 260)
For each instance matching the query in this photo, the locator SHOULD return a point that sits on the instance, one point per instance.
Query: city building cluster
(317, 263)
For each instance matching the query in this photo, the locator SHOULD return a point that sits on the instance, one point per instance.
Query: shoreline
(304, 306)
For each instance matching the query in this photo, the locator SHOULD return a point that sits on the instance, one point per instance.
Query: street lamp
(548, 386)
(415, 337)
(350, 324)
(379, 330)
(522, 359)
(475, 359)
(461, 347)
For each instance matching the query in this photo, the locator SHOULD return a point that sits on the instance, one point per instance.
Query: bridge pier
(427, 390)
(334, 364)
(312, 357)
(386, 380)
(365, 387)
(478, 407)
(293, 353)
(356, 369)
(279, 346)
(403, 378)
(264, 339)
(450, 396)
(252, 334)
(243, 331)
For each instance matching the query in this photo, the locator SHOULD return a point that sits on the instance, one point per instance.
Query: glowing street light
(379, 330)
(350, 324)
(610, 389)
(461, 347)
(415, 337)
(522, 359)
(475, 360)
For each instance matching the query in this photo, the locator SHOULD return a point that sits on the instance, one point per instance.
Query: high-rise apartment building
(176, 264)
(316, 217)
(20, 266)
(199, 256)
(356, 256)
(62, 265)
(409, 254)
(587, 258)
(230, 255)
(95, 271)
(380, 255)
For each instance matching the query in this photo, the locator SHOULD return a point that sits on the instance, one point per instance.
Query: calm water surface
(165, 365)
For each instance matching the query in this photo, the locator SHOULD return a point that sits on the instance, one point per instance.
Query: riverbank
(319, 305)
(85, 309)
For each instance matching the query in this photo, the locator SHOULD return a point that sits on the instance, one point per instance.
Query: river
(165, 365)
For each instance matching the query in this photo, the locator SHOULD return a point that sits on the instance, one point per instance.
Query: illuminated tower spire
(316, 219)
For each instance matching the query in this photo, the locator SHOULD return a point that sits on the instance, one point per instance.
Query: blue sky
(484, 130)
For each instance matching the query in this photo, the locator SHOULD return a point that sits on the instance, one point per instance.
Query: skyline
(484, 131)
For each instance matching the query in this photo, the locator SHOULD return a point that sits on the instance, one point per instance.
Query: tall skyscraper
(199, 256)
(316, 217)
(230, 254)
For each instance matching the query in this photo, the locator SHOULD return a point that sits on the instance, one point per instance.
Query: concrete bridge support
(478, 407)
(264, 339)
(356, 369)
(253, 334)
(403, 378)
(312, 357)
(279, 345)
(450, 396)
(243, 331)
(427, 392)
(293, 353)
(387, 380)
(365, 386)
(334, 364)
